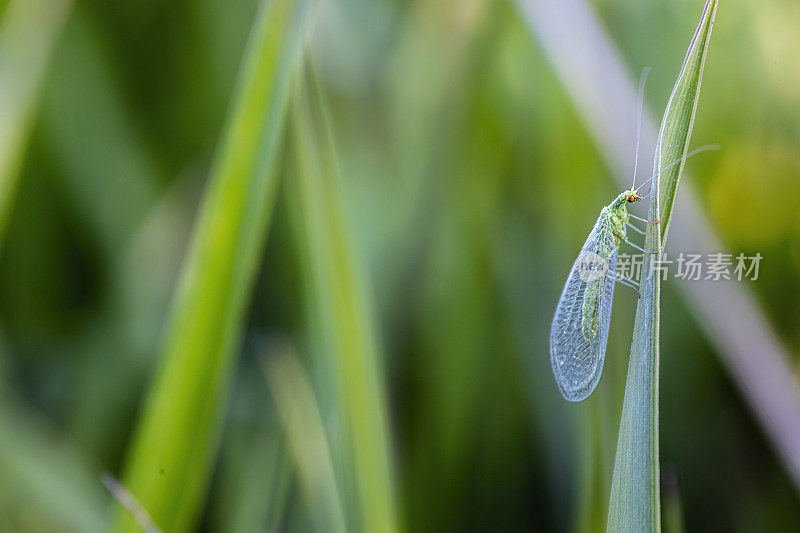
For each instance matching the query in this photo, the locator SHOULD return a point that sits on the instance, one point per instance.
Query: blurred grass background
(465, 183)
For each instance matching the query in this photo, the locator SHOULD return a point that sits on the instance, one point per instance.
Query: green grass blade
(676, 127)
(254, 475)
(297, 407)
(635, 490)
(28, 31)
(340, 307)
(171, 457)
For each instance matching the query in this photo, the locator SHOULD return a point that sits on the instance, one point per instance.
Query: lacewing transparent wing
(579, 332)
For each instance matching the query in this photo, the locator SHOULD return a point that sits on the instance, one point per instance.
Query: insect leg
(644, 219)
(634, 228)
(636, 246)
(626, 279)
(629, 283)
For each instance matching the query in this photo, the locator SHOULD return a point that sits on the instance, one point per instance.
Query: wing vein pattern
(579, 332)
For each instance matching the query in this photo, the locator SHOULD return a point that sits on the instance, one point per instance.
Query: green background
(469, 183)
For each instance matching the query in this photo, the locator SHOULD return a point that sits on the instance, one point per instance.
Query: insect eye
(630, 198)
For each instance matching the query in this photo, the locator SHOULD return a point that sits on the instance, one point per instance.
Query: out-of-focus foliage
(469, 184)
(171, 455)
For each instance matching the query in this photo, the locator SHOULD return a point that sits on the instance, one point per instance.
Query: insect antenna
(639, 109)
(696, 151)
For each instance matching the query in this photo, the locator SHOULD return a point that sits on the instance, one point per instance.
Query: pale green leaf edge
(300, 416)
(29, 30)
(341, 309)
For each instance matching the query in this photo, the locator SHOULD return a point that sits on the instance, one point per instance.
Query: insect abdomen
(590, 322)
(605, 249)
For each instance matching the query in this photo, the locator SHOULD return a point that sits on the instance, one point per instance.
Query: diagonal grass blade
(28, 31)
(171, 457)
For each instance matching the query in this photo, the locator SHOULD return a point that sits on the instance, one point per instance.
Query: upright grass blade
(453, 28)
(635, 503)
(28, 31)
(297, 407)
(676, 126)
(171, 457)
(340, 308)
